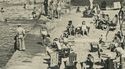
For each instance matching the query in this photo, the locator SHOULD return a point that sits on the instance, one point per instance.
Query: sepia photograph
(62, 34)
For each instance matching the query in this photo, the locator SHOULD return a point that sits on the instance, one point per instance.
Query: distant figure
(24, 6)
(46, 7)
(44, 34)
(78, 9)
(2, 10)
(34, 13)
(20, 36)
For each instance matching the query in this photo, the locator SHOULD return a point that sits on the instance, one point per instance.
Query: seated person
(104, 21)
(70, 28)
(97, 22)
(77, 30)
(90, 61)
(88, 12)
(102, 17)
(65, 34)
(64, 40)
(85, 11)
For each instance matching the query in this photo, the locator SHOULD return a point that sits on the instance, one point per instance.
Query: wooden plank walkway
(33, 44)
(34, 50)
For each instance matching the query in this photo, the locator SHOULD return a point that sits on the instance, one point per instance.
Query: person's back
(20, 31)
(72, 59)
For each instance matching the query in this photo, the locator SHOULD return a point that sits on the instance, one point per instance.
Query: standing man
(20, 37)
(46, 7)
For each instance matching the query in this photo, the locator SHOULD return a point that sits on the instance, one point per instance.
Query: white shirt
(20, 31)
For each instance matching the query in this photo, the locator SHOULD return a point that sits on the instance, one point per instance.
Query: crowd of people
(103, 21)
(62, 46)
(55, 8)
(82, 29)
